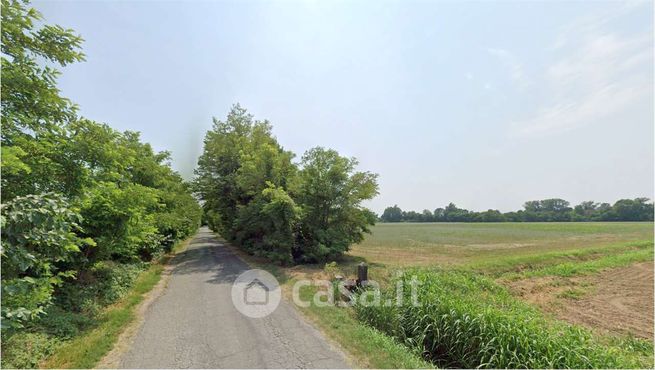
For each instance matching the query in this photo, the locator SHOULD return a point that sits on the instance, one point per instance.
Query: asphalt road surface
(194, 324)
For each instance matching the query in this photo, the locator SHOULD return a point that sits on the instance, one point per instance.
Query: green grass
(475, 321)
(467, 320)
(572, 293)
(577, 268)
(507, 264)
(370, 347)
(87, 349)
(410, 244)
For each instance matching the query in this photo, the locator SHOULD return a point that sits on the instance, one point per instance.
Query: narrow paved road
(195, 325)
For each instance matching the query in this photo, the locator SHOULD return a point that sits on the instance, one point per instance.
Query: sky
(484, 104)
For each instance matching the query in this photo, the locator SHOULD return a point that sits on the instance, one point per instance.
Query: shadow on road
(206, 254)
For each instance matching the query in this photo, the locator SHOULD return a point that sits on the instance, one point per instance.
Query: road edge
(112, 359)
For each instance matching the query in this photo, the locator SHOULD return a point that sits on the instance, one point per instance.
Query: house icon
(256, 293)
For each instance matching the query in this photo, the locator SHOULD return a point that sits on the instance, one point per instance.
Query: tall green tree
(33, 111)
(330, 194)
(392, 214)
(256, 197)
(244, 176)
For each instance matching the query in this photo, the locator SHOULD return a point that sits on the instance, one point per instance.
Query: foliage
(122, 220)
(547, 210)
(60, 323)
(25, 350)
(468, 321)
(392, 214)
(267, 224)
(31, 105)
(102, 284)
(38, 235)
(330, 194)
(257, 198)
(84, 206)
(85, 350)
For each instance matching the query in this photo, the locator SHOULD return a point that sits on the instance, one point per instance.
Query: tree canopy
(76, 194)
(259, 199)
(547, 210)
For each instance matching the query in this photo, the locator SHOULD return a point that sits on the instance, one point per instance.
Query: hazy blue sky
(486, 104)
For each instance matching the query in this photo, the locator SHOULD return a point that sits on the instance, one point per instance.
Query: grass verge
(568, 269)
(504, 265)
(87, 349)
(368, 346)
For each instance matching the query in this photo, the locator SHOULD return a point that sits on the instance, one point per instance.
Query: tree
(33, 112)
(392, 214)
(330, 195)
(258, 199)
(239, 159)
(585, 211)
(69, 182)
(426, 216)
(490, 215)
(454, 214)
(244, 177)
(439, 215)
(638, 209)
(547, 210)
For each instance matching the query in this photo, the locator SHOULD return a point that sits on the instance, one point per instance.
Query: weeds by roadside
(467, 320)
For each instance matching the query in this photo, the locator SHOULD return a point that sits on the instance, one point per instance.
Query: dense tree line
(547, 210)
(256, 197)
(84, 207)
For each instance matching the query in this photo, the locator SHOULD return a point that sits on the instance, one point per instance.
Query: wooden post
(362, 273)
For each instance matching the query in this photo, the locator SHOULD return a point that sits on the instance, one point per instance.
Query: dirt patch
(542, 291)
(618, 301)
(622, 302)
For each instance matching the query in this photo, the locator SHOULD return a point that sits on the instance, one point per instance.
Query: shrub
(60, 323)
(38, 236)
(103, 284)
(25, 350)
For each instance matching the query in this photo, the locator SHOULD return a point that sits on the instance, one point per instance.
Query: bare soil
(617, 301)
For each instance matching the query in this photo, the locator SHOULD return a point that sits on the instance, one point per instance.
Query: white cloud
(515, 67)
(598, 104)
(599, 72)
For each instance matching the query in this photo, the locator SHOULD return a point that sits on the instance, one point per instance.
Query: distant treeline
(547, 210)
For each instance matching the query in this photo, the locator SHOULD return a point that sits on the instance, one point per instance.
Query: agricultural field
(466, 243)
(596, 274)
(593, 277)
